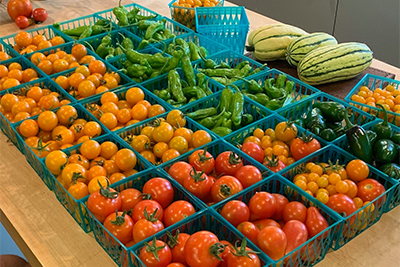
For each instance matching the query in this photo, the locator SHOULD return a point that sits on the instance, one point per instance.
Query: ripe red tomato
(159, 248)
(202, 160)
(272, 241)
(281, 202)
(247, 259)
(39, 14)
(120, 225)
(22, 22)
(262, 205)
(248, 175)
(253, 150)
(198, 249)
(226, 253)
(369, 189)
(295, 211)
(129, 198)
(198, 183)
(249, 230)
(177, 211)
(179, 171)
(301, 148)
(145, 228)
(225, 187)
(296, 234)
(151, 206)
(228, 163)
(160, 190)
(343, 205)
(104, 202)
(261, 224)
(274, 164)
(177, 244)
(235, 212)
(315, 222)
(17, 8)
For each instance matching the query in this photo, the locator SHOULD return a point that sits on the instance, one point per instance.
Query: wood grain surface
(48, 236)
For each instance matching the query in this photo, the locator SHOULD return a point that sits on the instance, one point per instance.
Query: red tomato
(343, 205)
(272, 241)
(176, 264)
(261, 224)
(369, 189)
(296, 234)
(177, 211)
(177, 244)
(274, 164)
(104, 202)
(202, 160)
(17, 8)
(151, 206)
(315, 222)
(295, 211)
(226, 254)
(225, 187)
(147, 227)
(39, 14)
(120, 225)
(262, 205)
(248, 175)
(129, 198)
(253, 150)
(249, 230)
(160, 190)
(228, 163)
(159, 248)
(198, 249)
(281, 202)
(179, 171)
(301, 148)
(22, 22)
(243, 258)
(198, 183)
(235, 212)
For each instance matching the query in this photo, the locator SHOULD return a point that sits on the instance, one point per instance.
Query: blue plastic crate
(8, 50)
(96, 100)
(314, 249)
(76, 206)
(25, 64)
(47, 31)
(161, 82)
(203, 221)
(185, 15)
(363, 218)
(373, 82)
(300, 109)
(301, 90)
(250, 107)
(118, 251)
(232, 59)
(344, 144)
(226, 25)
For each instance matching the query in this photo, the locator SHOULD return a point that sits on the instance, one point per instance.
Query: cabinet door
(375, 23)
(310, 15)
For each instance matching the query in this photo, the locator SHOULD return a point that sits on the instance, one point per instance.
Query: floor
(7, 245)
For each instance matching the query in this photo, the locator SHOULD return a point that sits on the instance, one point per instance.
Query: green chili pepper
(391, 169)
(174, 82)
(280, 81)
(111, 51)
(174, 62)
(184, 46)
(169, 34)
(202, 113)
(97, 29)
(143, 44)
(289, 87)
(136, 70)
(86, 33)
(396, 138)
(76, 31)
(223, 65)
(201, 81)
(222, 131)
(203, 51)
(102, 22)
(194, 51)
(164, 95)
(140, 17)
(132, 14)
(118, 51)
(121, 14)
(252, 86)
(127, 43)
(245, 71)
(247, 119)
(331, 110)
(230, 73)
(385, 151)
(227, 123)
(276, 103)
(153, 28)
(241, 65)
(145, 63)
(237, 108)
(144, 24)
(328, 134)
(194, 91)
(383, 129)
(226, 99)
(257, 70)
(157, 60)
(188, 70)
(208, 63)
(315, 121)
(372, 136)
(272, 90)
(103, 50)
(210, 122)
(192, 99)
(57, 26)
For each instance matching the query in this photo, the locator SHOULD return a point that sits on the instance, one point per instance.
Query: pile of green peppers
(129, 18)
(379, 146)
(86, 31)
(227, 117)
(274, 94)
(155, 32)
(107, 50)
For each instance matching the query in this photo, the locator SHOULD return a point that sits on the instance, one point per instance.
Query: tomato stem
(202, 157)
(119, 219)
(225, 190)
(153, 248)
(152, 217)
(217, 249)
(234, 158)
(105, 191)
(242, 251)
(197, 176)
(173, 240)
(273, 162)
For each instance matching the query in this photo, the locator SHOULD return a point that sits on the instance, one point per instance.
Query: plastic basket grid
(373, 82)
(161, 82)
(250, 107)
(76, 206)
(226, 25)
(8, 50)
(357, 222)
(268, 122)
(117, 251)
(47, 31)
(343, 143)
(300, 109)
(301, 90)
(314, 249)
(185, 15)
(207, 221)
(232, 59)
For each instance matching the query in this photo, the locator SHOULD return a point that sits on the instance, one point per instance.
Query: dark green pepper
(226, 99)
(188, 70)
(75, 31)
(174, 81)
(210, 122)
(153, 28)
(230, 73)
(222, 131)
(174, 62)
(202, 113)
(247, 119)
(208, 63)
(315, 121)
(252, 86)
(227, 123)
(273, 91)
(372, 136)
(118, 51)
(280, 81)
(396, 138)
(194, 91)
(299, 122)
(289, 87)
(237, 108)
(103, 50)
(383, 129)
(328, 134)
(164, 95)
(102, 22)
(86, 33)
(121, 14)
(331, 110)
(391, 169)
(261, 98)
(385, 150)
(136, 70)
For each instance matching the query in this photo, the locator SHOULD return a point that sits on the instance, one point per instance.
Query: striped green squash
(334, 63)
(303, 45)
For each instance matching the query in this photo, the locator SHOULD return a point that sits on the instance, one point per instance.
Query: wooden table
(48, 236)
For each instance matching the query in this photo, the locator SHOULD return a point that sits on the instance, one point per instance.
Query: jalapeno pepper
(331, 110)
(372, 136)
(383, 129)
(396, 138)
(391, 169)
(175, 85)
(328, 134)
(315, 121)
(202, 113)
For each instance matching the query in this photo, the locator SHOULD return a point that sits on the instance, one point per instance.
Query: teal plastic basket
(76, 206)
(118, 251)
(250, 107)
(363, 218)
(232, 59)
(25, 64)
(203, 221)
(373, 82)
(344, 144)
(226, 25)
(300, 109)
(47, 31)
(161, 82)
(8, 50)
(314, 249)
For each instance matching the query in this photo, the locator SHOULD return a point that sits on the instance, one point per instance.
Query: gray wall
(374, 22)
